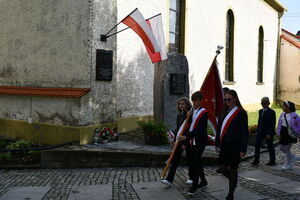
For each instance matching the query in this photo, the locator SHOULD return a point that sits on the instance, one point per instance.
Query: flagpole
(103, 38)
(107, 36)
(164, 172)
(219, 48)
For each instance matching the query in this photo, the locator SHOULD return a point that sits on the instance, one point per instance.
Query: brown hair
(185, 100)
(197, 96)
(238, 103)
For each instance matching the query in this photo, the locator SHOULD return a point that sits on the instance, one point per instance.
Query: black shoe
(202, 184)
(271, 163)
(192, 191)
(255, 162)
(229, 196)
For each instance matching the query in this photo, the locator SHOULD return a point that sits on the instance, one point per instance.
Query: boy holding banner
(197, 137)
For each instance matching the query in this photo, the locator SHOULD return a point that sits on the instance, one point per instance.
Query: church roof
(288, 37)
(276, 5)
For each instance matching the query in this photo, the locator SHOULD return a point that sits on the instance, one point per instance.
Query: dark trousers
(259, 139)
(197, 166)
(176, 159)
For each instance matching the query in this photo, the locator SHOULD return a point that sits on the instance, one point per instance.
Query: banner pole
(164, 172)
(107, 36)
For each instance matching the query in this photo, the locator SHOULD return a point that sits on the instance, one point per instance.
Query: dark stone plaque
(104, 63)
(177, 83)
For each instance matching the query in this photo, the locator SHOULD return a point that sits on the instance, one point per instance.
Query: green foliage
(3, 144)
(253, 116)
(5, 157)
(34, 151)
(153, 128)
(210, 131)
(276, 105)
(20, 144)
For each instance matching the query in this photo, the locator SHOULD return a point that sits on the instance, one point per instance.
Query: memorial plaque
(104, 63)
(177, 83)
(171, 81)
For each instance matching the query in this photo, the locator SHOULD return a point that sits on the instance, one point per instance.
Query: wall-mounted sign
(104, 64)
(177, 83)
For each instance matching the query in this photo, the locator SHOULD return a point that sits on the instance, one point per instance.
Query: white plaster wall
(289, 72)
(99, 105)
(206, 28)
(135, 71)
(42, 40)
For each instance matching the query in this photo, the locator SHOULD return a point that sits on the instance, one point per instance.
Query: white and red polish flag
(212, 94)
(156, 26)
(138, 24)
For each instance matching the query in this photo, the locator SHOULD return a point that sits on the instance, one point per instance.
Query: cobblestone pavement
(62, 181)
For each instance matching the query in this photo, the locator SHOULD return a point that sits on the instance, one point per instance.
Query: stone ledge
(97, 158)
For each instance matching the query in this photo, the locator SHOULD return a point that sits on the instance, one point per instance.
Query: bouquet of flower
(252, 129)
(105, 135)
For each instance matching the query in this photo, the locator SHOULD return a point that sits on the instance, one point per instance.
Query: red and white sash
(181, 128)
(228, 119)
(196, 117)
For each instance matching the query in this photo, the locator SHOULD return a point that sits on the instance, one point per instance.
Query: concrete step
(83, 157)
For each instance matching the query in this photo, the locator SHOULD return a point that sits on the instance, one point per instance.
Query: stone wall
(135, 71)
(99, 106)
(44, 44)
(41, 41)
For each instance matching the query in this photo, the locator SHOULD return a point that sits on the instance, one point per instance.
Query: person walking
(288, 121)
(183, 106)
(198, 139)
(232, 140)
(265, 131)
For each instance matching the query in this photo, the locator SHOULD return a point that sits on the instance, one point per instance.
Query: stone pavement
(260, 182)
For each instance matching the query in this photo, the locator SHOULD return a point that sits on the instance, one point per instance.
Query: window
(260, 55)
(229, 47)
(176, 28)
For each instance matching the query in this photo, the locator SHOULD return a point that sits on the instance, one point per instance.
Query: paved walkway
(255, 183)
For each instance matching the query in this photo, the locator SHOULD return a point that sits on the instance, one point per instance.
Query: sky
(291, 19)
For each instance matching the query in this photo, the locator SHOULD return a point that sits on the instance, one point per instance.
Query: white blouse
(288, 118)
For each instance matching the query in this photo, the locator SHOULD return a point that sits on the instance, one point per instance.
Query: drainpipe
(277, 67)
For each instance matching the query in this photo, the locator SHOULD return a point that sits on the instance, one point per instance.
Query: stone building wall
(135, 72)
(289, 72)
(44, 44)
(99, 106)
(53, 44)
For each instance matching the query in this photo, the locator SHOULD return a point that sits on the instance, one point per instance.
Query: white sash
(193, 125)
(181, 128)
(226, 120)
(195, 116)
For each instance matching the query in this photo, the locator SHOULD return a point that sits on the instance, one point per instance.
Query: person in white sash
(197, 137)
(183, 106)
(232, 140)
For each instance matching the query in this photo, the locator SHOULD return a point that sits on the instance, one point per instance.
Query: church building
(53, 90)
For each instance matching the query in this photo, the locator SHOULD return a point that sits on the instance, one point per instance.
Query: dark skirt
(285, 138)
(230, 154)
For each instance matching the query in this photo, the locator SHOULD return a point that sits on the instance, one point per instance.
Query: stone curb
(65, 158)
